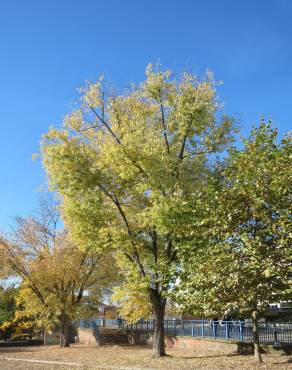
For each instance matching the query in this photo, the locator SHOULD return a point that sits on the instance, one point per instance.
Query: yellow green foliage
(123, 164)
(241, 254)
(55, 271)
(133, 300)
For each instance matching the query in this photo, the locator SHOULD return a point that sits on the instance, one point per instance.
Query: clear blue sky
(49, 47)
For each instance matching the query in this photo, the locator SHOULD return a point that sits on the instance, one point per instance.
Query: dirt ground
(131, 358)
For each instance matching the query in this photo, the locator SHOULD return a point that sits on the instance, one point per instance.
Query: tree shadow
(5, 350)
(211, 356)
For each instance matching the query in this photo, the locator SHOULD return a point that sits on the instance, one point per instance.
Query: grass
(130, 358)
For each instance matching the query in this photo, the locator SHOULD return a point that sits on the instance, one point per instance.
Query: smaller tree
(55, 272)
(244, 257)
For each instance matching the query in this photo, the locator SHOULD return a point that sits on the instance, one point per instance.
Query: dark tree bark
(64, 331)
(158, 303)
(255, 333)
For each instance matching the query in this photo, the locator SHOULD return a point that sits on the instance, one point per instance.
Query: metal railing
(269, 333)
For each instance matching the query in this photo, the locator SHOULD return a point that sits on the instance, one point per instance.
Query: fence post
(226, 330)
(240, 331)
(213, 327)
(203, 329)
(174, 328)
(193, 329)
(275, 335)
(183, 328)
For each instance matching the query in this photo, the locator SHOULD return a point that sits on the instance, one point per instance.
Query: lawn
(130, 358)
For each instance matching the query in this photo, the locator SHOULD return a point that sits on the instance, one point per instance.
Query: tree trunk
(64, 331)
(159, 310)
(45, 337)
(255, 333)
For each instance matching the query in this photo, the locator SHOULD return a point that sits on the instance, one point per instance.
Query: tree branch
(106, 125)
(164, 126)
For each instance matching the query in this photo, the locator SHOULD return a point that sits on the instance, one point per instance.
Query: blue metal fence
(269, 333)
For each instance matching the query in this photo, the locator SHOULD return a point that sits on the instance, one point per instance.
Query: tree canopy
(124, 163)
(243, 260)
(55, 271)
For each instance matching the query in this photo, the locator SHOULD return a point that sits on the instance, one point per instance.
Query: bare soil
(132, 358)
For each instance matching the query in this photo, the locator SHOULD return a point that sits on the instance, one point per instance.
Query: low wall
(86, 336)
(139, 338)
(191, 342)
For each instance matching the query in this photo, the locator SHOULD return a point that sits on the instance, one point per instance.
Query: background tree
(7, 303)
(55, 272)
(124, 163)
(246, 259)
(7, 309)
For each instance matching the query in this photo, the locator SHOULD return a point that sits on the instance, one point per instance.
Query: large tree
(123, 164)
(243, 258)
(55, 272)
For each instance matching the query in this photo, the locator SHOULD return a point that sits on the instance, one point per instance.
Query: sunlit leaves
(246, 261)
(126, 166)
